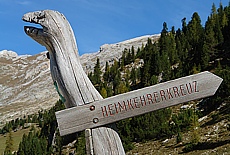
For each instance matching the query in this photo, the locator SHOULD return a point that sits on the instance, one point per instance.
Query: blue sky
(97, 22)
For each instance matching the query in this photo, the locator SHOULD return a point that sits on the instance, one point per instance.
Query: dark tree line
(188, 50)
(39, 141)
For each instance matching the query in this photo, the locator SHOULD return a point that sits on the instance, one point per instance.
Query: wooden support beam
(89, 142)
(67, 73)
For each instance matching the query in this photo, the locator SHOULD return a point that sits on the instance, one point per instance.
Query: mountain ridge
(26, 85)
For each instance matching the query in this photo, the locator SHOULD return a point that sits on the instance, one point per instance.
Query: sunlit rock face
(26, 85)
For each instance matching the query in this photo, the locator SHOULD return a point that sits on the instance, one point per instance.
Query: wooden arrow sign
(137, 102)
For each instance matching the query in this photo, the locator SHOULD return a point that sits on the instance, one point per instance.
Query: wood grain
(138, 102)
(73, 84)
(89, 142)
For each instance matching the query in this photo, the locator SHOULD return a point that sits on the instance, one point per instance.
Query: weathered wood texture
(138, 102)
(73, 84)
(89, 142)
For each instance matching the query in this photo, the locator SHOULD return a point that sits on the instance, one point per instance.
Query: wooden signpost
(85, 106)
(137, 102)
(74, 87)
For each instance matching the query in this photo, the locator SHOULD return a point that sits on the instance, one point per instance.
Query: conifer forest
(191, 49)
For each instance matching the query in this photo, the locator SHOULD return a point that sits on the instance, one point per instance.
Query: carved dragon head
(57, 36)
(56, 31)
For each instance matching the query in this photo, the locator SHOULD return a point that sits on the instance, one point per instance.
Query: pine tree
(9, 144)
(114, 69)
(153, 80)
(222, 16)
(106, 73)
(116, 83)
(20, 149)
(97, 73)
(156, 67)
(218, 34)
(179, 137)
(133, 76)
(122, 88)
(195, 127)
(80, 144)
(58, 142)
(133, 54)
(213, 10)
(145, 77)
(123, 59)
(109, 91)
(184, 25)
(165, 48)
(225, 30)
(195, 38)
(215, 17)
(128, 57)
(209, 43)
(103, 92)
(172, 47)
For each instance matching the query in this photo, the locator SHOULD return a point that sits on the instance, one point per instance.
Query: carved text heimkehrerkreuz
(150, 98)
(138, 102)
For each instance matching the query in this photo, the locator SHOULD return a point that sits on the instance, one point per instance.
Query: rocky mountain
(25, 81)
(110, 52)
(25, 85)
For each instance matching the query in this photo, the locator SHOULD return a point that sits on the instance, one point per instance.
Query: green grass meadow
(17, 137)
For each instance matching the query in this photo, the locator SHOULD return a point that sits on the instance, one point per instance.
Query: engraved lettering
(149, 97)
(110, 109)
(155, 94)
(176, 93)
(129, 104)
(188, 88)
(182, 90)
(142, 100)
(135, 102)
(195, 86)
(162, 92)
(122, 107)
(104, 111)
(116, 107)
(169, 93)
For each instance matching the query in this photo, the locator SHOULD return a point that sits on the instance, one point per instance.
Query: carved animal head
(56, 33)
(57, 36)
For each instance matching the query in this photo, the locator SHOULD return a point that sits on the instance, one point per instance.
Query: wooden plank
(107, 136)
(137, 102)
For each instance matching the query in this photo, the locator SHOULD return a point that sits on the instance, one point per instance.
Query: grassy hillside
(17, 138)
(214, 137)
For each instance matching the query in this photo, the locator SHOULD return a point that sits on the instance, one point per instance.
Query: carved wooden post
(67, 73)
